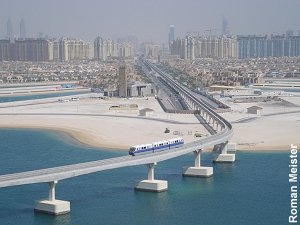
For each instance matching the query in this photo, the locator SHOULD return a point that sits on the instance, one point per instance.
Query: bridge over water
(220, 129)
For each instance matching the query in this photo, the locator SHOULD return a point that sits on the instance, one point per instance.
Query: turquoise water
(39, 96)
(24, 85)
(252, 191)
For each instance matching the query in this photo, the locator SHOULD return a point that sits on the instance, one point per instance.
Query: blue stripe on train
(157, 148)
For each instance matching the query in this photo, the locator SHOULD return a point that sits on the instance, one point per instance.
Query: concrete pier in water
(151, 184)
(223, 155)
(197, 170)
(51, 205)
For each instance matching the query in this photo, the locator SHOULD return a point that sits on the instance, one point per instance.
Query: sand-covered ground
(90, 121)
(276, 128)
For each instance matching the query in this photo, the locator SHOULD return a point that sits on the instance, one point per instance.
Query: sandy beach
(91, 122)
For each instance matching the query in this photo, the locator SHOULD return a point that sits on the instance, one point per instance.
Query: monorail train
(156, 146)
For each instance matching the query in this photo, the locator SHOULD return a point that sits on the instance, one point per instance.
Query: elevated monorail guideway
(192, 100)
(222, 132)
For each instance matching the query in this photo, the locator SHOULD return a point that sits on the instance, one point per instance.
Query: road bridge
(220, 129)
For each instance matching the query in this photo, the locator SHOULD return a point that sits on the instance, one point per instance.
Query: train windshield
(132, 149)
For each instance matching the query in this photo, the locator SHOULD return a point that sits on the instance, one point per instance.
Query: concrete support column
(223, 155)
(151, 171)
(197, 156)
(51, 205)
(206, 116)
(197, 170)
(224, 150)
(151, 184)
(52, 185)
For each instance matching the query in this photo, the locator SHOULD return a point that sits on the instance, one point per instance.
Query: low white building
(139, 89)
(146, 112)
(254, 110)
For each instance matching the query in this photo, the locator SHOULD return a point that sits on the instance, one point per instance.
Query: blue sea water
(39, 96)
(252, 191)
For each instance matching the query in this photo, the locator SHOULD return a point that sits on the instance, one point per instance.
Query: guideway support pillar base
(151, 184)
(56, 207)
(197, 170)
(224, 157)
(51, 205)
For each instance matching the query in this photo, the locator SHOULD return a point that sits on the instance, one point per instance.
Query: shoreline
(119, 130)
(69, 136)
(74, 137)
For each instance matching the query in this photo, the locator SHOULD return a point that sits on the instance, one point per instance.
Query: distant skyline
(149, 20)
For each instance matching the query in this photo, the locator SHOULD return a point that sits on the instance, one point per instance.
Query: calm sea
(39, 96)
(252, 191)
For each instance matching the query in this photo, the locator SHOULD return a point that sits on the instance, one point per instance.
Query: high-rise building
(22, 29)
(225, 29)
(110, 49)
(42, 49)
(125, 50)
(73, 49)
(131, 39)
(151, 50)
(190, 47)
(122, 82)
(30, 49)
(204, 47)
(171, 34)
(253, 46)
(9, 30)
(5, 50)
(99, 49)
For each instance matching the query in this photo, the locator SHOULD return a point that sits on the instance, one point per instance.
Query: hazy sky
(148, 19)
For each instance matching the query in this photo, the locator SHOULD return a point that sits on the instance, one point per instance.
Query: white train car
(156, 146)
